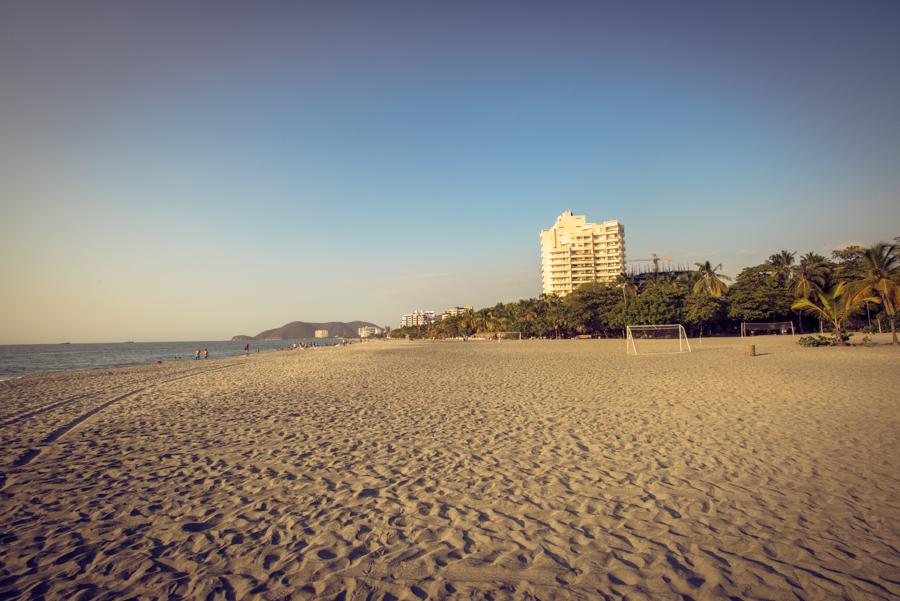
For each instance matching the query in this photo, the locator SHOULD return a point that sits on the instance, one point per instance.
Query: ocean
(20, 359)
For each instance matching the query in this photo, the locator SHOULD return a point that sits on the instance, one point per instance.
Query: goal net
(647, 340)
(773, 327)
(508, 335)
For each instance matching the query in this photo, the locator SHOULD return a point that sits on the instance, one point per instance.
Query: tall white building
(574, 252)
(417, 318)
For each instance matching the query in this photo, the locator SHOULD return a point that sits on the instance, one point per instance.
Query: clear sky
(175, 172)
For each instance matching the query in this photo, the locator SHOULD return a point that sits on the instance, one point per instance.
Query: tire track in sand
(15, 419)
(33, 453)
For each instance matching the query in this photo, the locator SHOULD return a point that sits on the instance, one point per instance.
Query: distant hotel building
(368, 331)
(321, 333)
(574, 252)
(417, 318)
(456, 311)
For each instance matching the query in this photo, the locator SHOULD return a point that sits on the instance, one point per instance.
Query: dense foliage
(702, 300)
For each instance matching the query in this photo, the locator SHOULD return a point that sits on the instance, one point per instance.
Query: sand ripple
(473, 470)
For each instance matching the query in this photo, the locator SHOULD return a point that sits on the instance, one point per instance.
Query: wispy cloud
(746, 252)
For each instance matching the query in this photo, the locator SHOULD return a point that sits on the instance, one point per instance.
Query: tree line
(856, 286)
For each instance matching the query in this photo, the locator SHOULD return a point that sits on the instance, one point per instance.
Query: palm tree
(809, 276)
(881, 277)
(781, 265)
(710, 280)
(553, 312)
(626, 283)
(836, 306)
(479, 320)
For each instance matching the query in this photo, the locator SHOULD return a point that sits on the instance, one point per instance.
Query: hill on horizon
(303, 329)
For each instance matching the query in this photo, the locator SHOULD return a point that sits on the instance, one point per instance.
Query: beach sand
(485, 470)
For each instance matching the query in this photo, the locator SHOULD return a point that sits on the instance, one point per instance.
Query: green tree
(528, 314)
(701, 309)
(591, 308)
(757, 296)
(627, 285)
(710, 280)
(810, 275)
(781, 264)
(660, 302)
(848, 263)
(880, 277)
(835, 306)
(553, 318)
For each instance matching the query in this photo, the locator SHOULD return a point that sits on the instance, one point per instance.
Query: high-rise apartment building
(574, 252)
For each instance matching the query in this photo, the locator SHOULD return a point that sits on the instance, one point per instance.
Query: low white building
(321, 333)
(417, 318)
(456, 311)
(369, 331)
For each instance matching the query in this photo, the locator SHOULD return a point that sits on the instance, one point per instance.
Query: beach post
(750, 350)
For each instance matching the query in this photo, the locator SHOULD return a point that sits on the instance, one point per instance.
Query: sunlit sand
(544, 469)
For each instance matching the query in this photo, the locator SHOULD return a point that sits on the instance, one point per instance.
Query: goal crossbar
(512, 335)
(645, 332)
(780, 327)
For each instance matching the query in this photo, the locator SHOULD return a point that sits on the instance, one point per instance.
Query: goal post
(753, 328)
(509, 335)
(656, 339)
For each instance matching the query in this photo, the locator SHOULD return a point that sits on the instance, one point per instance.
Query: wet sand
(485, 470)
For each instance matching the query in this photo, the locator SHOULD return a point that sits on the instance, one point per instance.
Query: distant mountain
(302, 329)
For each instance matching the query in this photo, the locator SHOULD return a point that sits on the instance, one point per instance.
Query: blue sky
(172, 172)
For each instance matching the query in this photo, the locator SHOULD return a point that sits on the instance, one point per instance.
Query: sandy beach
(479, 470)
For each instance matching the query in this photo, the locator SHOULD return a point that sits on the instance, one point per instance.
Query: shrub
(816, 341)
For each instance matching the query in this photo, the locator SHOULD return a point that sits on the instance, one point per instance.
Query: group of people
(303, 345)
(295, 346)
(197, 354)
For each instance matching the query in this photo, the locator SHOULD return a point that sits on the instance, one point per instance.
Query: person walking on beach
(205, 354)
(247, 349)
(196, 354)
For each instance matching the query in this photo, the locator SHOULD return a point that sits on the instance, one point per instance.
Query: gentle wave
(17, 360)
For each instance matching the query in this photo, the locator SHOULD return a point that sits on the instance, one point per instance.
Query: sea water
(19, 359)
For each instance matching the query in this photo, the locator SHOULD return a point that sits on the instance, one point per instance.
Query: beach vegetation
(781, 264)
(702, 310)
(704, 300)
(836, 306)
(710, 281)
(757, 295)
(878, 275)
(816, 340)
(810, 275)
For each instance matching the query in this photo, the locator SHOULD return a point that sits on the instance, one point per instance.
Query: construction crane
(653, 259)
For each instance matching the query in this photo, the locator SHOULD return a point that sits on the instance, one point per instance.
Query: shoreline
(882, 339)
(40, 358)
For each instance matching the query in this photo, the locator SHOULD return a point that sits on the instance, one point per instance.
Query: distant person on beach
(205, 354)
(196, 354)
(247, 349)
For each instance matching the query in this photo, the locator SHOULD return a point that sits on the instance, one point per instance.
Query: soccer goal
(666, 338)
(749, 328)
(508, 335)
